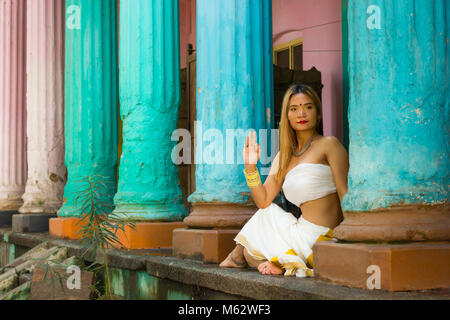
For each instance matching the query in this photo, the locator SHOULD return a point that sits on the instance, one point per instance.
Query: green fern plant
(99, 224)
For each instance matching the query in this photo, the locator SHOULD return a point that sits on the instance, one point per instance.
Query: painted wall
(188, 30)
(319, 24)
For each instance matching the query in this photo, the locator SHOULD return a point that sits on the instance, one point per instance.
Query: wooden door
(186, 120)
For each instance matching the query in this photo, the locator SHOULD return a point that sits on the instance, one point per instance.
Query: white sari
(278, 236)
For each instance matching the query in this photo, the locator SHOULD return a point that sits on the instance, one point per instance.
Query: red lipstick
(302, 122)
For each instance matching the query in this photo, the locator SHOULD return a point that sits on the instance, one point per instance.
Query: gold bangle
(253, 179)
(251, 174)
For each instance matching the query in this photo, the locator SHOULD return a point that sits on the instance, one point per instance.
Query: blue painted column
(234, 92)
(91, 97)
(150, 96)
(399, 121)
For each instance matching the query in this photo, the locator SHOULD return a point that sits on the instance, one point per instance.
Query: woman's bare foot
(235, 259)
(269, 268)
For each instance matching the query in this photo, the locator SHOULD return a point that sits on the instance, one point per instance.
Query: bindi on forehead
(300, 104)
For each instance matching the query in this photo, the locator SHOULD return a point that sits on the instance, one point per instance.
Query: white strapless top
(308, 181)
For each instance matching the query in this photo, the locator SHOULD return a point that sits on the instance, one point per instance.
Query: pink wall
(187, 27)
(318, 22)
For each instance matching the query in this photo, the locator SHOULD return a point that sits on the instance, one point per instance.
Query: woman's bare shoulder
(330, 141)
(334, 149)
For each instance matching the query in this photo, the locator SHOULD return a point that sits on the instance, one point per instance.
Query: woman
(312, 171)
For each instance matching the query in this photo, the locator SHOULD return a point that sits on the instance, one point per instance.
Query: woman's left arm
(337, 157)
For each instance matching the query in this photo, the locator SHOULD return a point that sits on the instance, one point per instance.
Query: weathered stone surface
(25, 277)
(35, 251)
(6, 217)
(393, 267)
(45, 110)
(37, 222)
(209, 246)
(29, 264)
(397, 223)
(91, 101)
(249, 283)
(5, 254)
(149, 55)
(8, 283)
(125, 260)
(219, 215)
(148, 235)
(398, 112)
(245, 283)
(21, 292)
(54, 286)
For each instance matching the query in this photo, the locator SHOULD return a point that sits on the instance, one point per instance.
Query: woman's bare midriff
(325, 211)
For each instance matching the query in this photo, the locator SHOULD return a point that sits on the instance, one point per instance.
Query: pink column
(13, 171)
(45, 107)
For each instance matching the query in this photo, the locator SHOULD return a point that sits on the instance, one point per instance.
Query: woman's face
(302, 113)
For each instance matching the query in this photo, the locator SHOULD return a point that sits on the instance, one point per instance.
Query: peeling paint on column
(45, 107)
(91, 104)
(399, 104)
(236, 89)
(150, 96)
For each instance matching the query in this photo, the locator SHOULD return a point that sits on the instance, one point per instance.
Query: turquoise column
(399, 117)
(149, 97)
(399, 103)
(91, 98)
(234, 95)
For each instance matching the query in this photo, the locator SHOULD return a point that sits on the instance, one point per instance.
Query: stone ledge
(246, 283)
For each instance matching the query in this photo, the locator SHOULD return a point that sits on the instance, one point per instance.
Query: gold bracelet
(253, 179)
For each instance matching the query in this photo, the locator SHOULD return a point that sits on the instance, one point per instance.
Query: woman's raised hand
(251, 151)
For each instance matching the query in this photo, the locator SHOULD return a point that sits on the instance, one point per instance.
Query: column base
(147, 235)
(402, 267)
(397, 223)
(46, 207)
(219, 215)
(6, 217)
(33, 222)
(66, 228)
(209, 246)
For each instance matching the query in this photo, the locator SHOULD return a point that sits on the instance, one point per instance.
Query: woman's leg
(252, 262)
(235, 259)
